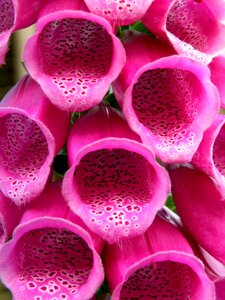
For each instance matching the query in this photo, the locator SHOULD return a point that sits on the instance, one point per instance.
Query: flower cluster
(135, 90)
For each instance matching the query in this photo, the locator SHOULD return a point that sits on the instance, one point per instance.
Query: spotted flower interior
(76, 54)
(162, 280)
(53, 263)
(119, 12)
(190, 21)
(166, 102)
(6, 15)
(23, 152)
(122, 184)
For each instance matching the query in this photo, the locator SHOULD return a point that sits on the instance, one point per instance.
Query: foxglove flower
(114, 183)
(200, 208)
(217, 68)
(193, 27)
(32, 131)
(165, 97)
(210, 156)
(74, 56)
(52, 255)
(159, 264)
(14, 15)
(119, 12)
(10, 215)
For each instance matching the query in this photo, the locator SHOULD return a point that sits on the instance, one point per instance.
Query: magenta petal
(165, 98)
(159, 264)
(217, 68)
(199, 205)
(32, 131)
(10, 216)
(4, 38)
(114, 183)
(15, 14)
(220, 289)
(210, 156)
(119, 12)
(193, 27)
(51, 6)
(215, 269)
(74, 56)
(7, 19)
(51, 255)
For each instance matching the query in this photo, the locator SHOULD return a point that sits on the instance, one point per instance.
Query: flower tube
(32, 131)
(210, 156)
(10, 216)
(159, 264)
(114, 183)
(119, 12)
(165, 97)
(193, 27)
(200, 208)
(74, 56)
(52, 255)
(14, 15)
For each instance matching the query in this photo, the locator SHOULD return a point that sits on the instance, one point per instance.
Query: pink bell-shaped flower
(114, 183)
(194, 27)
(165, 97)
(74, 56)
(159, 264)
(200, 208)
(119, 12)
(210, 156)
(52, 255)
(32, 131)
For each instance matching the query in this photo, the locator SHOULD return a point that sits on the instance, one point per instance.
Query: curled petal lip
(209, 155)
(217, 68)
